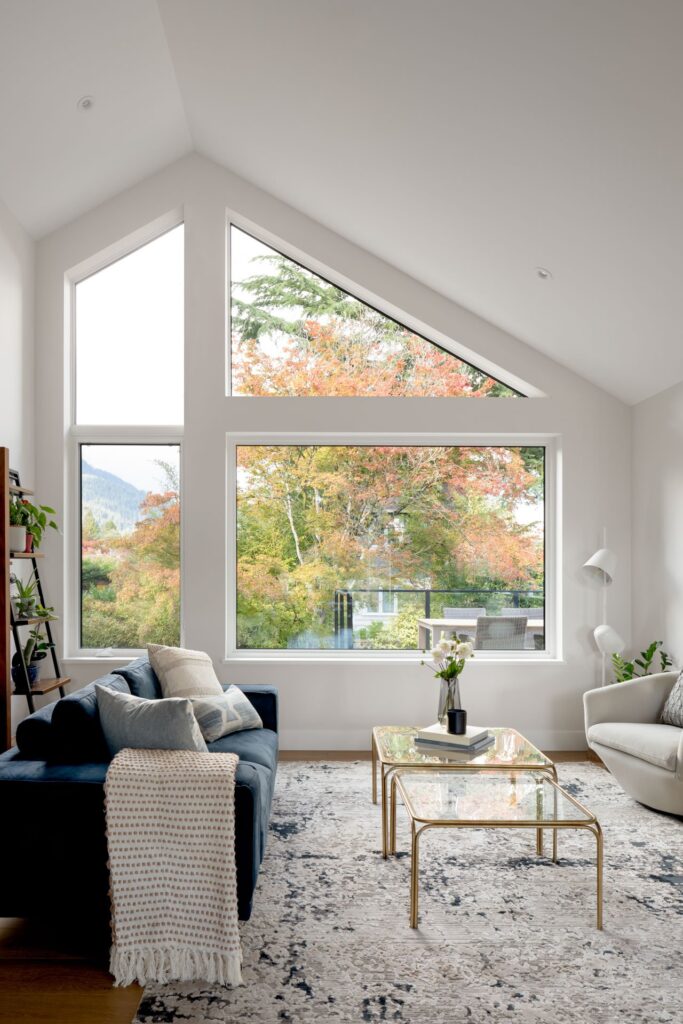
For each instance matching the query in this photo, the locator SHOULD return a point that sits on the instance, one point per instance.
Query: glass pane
(396, 745)
(481, 796)
(363, 547)
(130, 545)
(294, 333)
(129, 337)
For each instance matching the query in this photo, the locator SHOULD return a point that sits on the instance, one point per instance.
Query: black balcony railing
(492, 600)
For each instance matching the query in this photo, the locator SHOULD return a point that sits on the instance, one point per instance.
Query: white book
(438, 733)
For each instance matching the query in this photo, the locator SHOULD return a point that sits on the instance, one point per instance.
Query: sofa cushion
(141, 678)
(129, 721)
(225, 713)
(259, 746)
(672, 712)
(34, 734)
(77, 733)
(657, 744)
(184, 673)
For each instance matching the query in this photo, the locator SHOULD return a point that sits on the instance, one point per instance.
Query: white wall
(334, 704)
(16, 356)
(657, 496)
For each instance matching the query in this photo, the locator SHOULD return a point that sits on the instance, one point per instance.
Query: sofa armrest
(639, 700)
(265, 700)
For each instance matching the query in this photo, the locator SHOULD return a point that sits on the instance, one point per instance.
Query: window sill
(380, 658)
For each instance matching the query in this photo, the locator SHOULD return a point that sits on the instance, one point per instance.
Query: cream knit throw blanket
(171, 835)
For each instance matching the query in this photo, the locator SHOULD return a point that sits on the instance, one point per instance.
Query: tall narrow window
(130, 545)
(369, 547)
(295, 333)
(129, 337)
(128, 320)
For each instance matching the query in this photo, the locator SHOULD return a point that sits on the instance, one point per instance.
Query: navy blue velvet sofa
(53, 852)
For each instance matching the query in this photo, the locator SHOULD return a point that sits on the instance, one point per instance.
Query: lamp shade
(602, 564)
(608, 640)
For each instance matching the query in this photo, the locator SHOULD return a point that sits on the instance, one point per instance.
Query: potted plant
(17, 525)
(641, 666)
(36, 521)
(25, 596)
(33, 652)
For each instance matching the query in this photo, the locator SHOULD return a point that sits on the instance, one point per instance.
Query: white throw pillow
(184, 673)
(219, 716)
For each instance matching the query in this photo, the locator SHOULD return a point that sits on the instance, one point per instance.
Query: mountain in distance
(110, 499)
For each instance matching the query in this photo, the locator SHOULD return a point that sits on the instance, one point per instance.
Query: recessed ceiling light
(85, 104)
(543, 273)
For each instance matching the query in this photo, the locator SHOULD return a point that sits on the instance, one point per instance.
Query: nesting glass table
(457, 798)
(393, 748)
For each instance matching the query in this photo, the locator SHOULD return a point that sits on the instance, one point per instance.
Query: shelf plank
(26, 554)
(13, 489)
(42, 686)
(35, 620)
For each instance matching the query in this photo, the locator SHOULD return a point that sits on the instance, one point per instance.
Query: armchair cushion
(658, 744)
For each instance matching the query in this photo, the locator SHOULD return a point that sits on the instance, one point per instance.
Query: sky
(134, 463)
(129, 338)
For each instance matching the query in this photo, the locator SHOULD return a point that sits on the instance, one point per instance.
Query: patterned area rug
(503, 936)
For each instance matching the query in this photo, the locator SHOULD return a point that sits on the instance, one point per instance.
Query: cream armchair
(623, 727)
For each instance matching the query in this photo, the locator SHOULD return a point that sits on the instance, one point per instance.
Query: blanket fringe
(177, 964)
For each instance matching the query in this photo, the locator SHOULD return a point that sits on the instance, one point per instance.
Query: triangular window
(296, 334)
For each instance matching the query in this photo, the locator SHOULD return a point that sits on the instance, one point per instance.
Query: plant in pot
(18, 517)
(34, 651)
(36, 522)
(641, 666)
(25, 596)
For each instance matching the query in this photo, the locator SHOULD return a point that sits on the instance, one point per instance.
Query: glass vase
(449, 698)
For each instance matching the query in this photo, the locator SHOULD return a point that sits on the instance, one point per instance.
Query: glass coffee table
(393, 747)
(463, 799)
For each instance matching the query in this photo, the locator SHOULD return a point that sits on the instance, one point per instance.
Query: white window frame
(552, 576)
(78, 434)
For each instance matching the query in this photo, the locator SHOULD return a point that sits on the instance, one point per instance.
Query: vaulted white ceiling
(467, 143)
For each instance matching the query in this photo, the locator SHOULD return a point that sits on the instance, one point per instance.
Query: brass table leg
(554, 770)
(597, 832)
(392, 816)
(414, 873)
(373, 749)
(383, 781)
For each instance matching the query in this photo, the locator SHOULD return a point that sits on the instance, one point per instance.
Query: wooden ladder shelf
(10, 485)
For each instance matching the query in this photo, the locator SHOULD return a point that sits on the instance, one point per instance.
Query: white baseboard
(359, 739)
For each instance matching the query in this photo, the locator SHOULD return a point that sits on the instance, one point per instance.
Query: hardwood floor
(48, 976)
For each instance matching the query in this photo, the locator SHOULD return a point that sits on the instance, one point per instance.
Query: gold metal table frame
(388, 768)
(419, 825)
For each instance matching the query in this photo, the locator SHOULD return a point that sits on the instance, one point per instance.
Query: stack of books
(436, 739)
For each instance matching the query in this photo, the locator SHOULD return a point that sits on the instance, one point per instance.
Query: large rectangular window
(388, 547)
(130, 545)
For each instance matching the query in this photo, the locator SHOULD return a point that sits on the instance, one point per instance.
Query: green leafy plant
(642, 665)
(25, 595)
(17, 513)
(35, 519)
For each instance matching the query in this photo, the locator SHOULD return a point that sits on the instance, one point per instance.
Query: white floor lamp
(602, 566)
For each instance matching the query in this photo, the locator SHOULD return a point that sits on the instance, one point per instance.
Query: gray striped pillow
(219, 716)
(672, 712)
